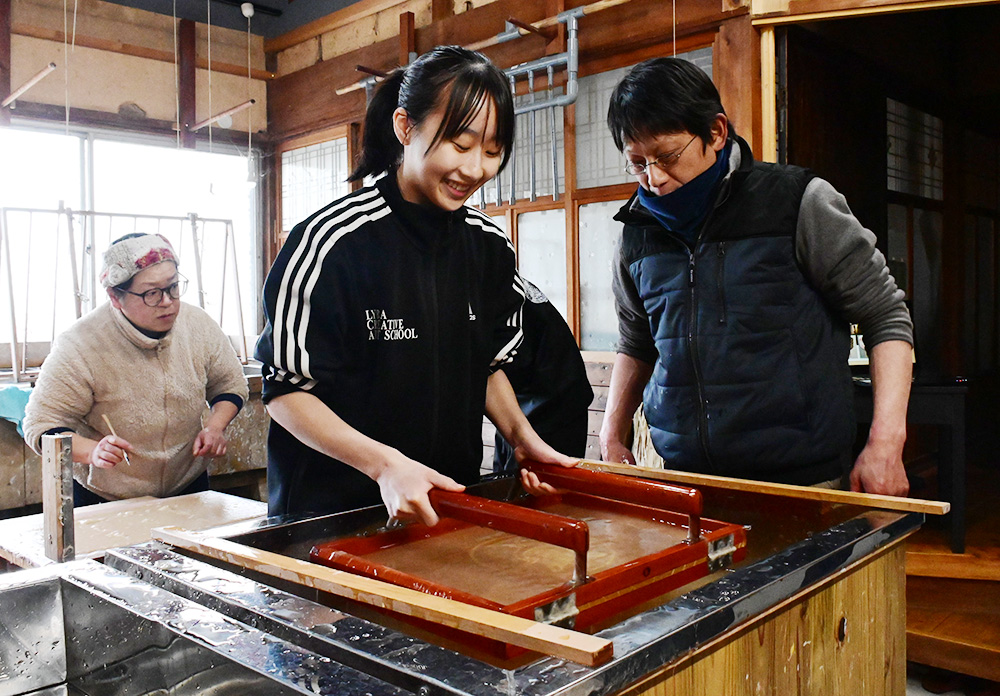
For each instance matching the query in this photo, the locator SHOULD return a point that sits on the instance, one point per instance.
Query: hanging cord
(250, 171)
(673, 8)
(177, 84)
(66, 63)
(210, 112)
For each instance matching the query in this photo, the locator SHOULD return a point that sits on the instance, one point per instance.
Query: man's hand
(614, 452)
(879, 469)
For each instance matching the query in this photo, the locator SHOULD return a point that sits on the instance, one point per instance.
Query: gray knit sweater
(154, 391)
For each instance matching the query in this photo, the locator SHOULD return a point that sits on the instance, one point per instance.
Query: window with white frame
(65, 196)
(311, 177)
(598, 161)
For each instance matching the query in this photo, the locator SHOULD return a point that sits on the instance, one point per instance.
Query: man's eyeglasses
(155, 296)
(663, 162)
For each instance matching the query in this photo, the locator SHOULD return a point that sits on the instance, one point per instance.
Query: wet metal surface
(86, 628)
(795, 549)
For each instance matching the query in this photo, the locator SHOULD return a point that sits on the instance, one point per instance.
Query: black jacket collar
(427, 224)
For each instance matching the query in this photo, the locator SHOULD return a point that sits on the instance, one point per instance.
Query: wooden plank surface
(544, 638)
(886, 502)
(844, 636)
(123, 523)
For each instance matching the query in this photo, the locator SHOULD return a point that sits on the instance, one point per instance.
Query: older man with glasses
(160, 371)
(735, 284)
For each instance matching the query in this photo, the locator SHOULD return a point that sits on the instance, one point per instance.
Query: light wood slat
(115, 46)
(544, 638)
(886, 502)
(548, 22)
(945, 564)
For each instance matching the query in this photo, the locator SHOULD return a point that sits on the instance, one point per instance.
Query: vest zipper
(692, 338)
(693, 347)
(721, 280)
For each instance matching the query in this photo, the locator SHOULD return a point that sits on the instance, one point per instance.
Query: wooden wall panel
(11, 467)
(849, 637)
(736, 72)
(305, 100)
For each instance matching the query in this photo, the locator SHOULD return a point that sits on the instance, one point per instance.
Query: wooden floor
(953, 600)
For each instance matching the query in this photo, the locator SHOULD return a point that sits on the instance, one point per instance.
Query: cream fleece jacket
(154, 391)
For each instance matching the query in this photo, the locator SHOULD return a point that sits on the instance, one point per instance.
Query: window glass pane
(969, 331)
(311, 177)
(985, 289)
(40, 169)
(898, 246)
(927, 226)
(598, 161)
(541, 253)
(915, 160)
(599, 236)
(170, 182)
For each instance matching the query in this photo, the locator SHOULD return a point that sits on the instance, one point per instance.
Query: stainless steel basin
(85, 628)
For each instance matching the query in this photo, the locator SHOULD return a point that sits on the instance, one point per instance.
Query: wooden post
(354, 151)
(442, 9)
(407, 38)
(768, 96)
(57, 496)
(186, 80)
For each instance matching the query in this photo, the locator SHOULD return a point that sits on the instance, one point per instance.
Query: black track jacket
(393, 315)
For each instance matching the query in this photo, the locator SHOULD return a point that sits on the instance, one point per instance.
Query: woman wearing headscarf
(161, 371)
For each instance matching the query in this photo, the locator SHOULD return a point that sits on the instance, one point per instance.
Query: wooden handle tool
(112, 429)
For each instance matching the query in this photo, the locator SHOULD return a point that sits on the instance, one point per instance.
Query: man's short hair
(660, 96)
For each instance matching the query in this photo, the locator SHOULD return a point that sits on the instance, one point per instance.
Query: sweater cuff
(232, 398)
(54, 431)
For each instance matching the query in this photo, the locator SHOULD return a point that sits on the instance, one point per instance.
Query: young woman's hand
(537, 449)
(404, 485)
(109, 452)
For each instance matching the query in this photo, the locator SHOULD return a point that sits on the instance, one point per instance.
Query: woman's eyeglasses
(153, 297)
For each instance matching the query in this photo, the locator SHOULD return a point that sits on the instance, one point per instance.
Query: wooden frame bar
(531, 635)
(886, 502)
(888, 7)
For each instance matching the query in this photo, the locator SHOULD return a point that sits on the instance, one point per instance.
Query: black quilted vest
(751, 378)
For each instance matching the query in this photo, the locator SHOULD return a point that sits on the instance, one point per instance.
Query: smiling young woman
(390, 310)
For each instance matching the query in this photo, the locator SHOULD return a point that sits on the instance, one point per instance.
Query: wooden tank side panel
(847, 637)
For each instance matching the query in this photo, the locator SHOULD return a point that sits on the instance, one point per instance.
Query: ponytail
(455, 78)
(380, 149)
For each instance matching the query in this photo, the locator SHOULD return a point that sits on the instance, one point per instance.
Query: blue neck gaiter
(682, 211)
